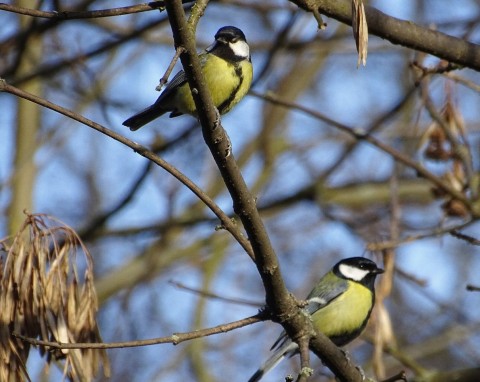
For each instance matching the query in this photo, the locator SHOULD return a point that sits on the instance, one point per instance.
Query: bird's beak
(211, 47)
(378, 271)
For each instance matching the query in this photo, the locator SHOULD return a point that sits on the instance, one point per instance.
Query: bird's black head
(358, 269)
(230, 44)
(229, 34)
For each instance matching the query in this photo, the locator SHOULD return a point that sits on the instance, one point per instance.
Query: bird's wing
(323, 294)
(178, 80)
(285, 350)
(280, 341)
(319, 297)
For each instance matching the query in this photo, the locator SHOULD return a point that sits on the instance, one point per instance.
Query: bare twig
(164, 79)
(386, 244)
(98, 221)
(216, 296)
(397, 377)
(70, 15)
(466, 238)
(463, 81)
(305, 369)
(175, 338)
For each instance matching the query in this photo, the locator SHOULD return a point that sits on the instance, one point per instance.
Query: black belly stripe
(225, 104)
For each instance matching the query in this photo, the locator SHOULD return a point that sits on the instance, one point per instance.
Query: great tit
(339, 305)
(228, 72)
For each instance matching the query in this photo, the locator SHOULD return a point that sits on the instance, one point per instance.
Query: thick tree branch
(401, 32)
(219, 144)
(281, 304)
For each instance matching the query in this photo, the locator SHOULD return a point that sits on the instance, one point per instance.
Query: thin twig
(98, 221)
(164, 79)
(306, 370)
(387, 244)
(238, 301)
(54, 68)
(397, 377)
(70, 15)
(372, 128)
(174, 339)
(463, 81)
(466, 238)
(472, 288)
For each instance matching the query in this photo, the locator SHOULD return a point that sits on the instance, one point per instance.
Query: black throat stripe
(225, 104)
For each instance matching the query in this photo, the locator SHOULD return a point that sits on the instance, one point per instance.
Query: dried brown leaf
(42, 296)
(360, 31)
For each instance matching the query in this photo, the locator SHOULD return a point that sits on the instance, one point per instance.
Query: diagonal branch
(229, 225)
(280, 302)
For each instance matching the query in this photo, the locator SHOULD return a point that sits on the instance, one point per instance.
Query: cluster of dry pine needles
(43, 296)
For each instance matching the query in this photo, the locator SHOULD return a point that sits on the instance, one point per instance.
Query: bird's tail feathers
(287, 349)
(145, 116)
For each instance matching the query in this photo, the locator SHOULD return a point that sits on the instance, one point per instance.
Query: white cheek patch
(353, 273)
(240, 49)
